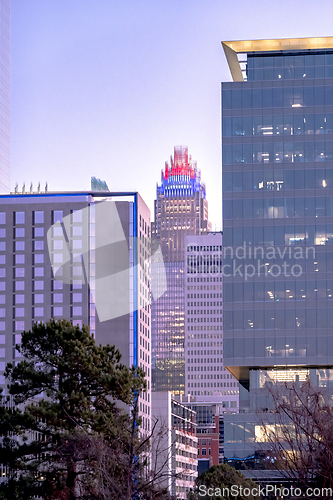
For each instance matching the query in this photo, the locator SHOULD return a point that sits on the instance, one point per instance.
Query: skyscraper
(76, 256)
(181, 208)
(277, 128)
(205, 374)
(5, 96)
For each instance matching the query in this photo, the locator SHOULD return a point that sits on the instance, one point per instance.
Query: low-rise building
(175, 449)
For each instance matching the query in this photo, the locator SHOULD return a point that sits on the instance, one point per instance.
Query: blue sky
(107, 88)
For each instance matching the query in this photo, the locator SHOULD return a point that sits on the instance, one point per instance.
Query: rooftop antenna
(31, 188)
(46, 188)
(16, 188)
(38, 188)
(23, 188)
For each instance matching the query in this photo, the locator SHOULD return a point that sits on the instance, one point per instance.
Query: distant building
(177, 450)
(181, 209)
(205, 374)
(98, 185)
(5, 97)
(81, 257)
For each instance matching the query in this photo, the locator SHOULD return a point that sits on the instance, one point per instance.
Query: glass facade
(277, 209)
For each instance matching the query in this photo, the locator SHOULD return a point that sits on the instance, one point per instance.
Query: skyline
(107, 90)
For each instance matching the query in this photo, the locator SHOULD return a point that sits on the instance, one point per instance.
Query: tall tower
(277, 127)
(5, 96)
(181, 209)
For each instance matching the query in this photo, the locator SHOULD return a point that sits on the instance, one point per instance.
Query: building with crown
(181, 209)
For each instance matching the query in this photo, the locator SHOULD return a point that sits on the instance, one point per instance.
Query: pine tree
(64, 426)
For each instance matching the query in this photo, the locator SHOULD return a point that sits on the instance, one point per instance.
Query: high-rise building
(277, 128)
(181, 208)
(5, 96)
(81, 257)
(205, 374)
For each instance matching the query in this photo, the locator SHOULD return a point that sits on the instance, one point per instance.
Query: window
(19, 312)
(19, 299)
(77, 270)
(57, 245)
(77, 284)
(2, 233)
(204, 451)
(77, 297)
(57, 311)
(57, 231)
(57, 297)
(2, 353)
(77, 322)
(19, 259)
(39, 232)
(39, 285)
(2, 259)
(39, 245)
(57, 285)
(19, 272)
(39, 258)
(77, 311)
(39, 311)
(19, 325)
(2, 217)
(39, 298)
(19, 232)
(2, 299)
(77, 244)
(18, 338)
(57, 216)
(77, 231)
(58, 258)
(19, 246)
(19, 285)
(2, 246)
(2, 326)
(77, 216)
(39, 217)
(39, 272)
(19, 217)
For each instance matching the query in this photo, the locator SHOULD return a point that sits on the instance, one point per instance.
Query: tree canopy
(66, 428)
(223, 482)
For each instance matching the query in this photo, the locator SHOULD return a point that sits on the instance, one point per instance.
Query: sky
(107, 88)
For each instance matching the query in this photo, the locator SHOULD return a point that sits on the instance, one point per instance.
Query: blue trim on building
(135, 281)
(97, 194)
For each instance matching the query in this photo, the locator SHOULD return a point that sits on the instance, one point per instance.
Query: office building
(277, 131)
(181, 208)
(205, 374)
(176, 452)
(81, 257)
(5, 96)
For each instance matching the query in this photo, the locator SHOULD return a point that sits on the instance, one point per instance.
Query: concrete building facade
(81, 257)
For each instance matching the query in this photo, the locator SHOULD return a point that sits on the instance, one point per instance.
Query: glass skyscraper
(181, 209)
(277, 131)
(5, 96)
